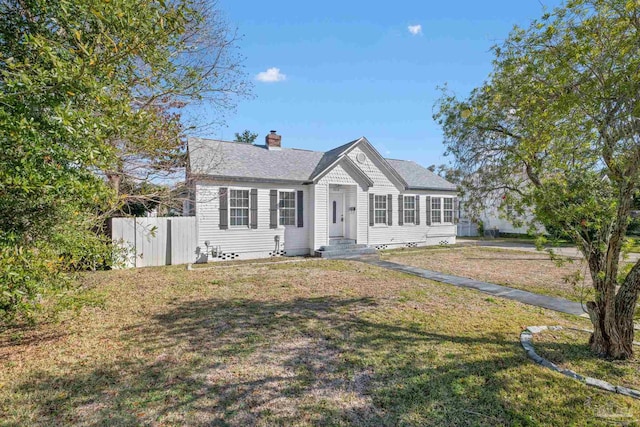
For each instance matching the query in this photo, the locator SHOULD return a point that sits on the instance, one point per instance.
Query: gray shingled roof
(331, 156)
(417, 176)
(255, 162)
(241, 160)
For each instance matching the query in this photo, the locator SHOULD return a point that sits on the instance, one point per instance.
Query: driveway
(567, 251)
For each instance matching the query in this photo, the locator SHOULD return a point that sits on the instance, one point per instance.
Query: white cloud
(272, 75)
(415, 29)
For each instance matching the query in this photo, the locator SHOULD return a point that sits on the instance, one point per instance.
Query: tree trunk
(612, 312)
(114, 181)
(611, 338)
(612, 316)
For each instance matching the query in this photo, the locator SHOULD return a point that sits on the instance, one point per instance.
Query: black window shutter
(400, 209)
(253, 202)
(273, 209)
(417, 209)
(371, 206)
(223, 198)
(300, 207)
(427, 201)
(456, 208)
(389, 209)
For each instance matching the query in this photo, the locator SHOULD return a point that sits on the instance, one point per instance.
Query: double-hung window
(239, 208)
(380, 209)
(447, 203)
(442, 210)
(409, 210)
(436, 210)
(287, 208)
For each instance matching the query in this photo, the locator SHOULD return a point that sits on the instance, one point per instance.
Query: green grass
(569, 349)
(633, 244)
(310, 343)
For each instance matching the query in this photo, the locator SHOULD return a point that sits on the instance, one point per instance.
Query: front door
(336, 214)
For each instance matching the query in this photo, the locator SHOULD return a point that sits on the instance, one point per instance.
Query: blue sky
(354, 68)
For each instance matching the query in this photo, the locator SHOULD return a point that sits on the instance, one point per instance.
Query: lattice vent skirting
(412, 245)
(226, 256)
(277, 253)
(381, 247)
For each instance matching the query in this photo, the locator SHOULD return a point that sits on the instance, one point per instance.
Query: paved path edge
(552, 303)
(526, 340)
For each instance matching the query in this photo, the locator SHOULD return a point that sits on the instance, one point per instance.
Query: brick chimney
(273, 140)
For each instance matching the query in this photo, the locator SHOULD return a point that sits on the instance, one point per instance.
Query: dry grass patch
(530, 271)
(313, 343)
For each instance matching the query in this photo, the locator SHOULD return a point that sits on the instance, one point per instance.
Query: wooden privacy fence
(155, 241)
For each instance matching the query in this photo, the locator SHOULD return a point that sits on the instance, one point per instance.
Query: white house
(254, 201)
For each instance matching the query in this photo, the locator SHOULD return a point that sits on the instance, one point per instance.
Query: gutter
(226, 178)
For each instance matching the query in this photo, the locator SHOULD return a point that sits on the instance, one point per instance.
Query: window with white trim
(380, 209)
(409, 209)
(287, 208)
(447, 206)
(442, 210)
(239, 208)
(436, 210)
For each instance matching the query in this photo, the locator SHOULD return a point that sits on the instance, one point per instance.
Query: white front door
(336, 214)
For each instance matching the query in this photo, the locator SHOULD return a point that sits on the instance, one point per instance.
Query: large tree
(555, 130)
(203, 66)
(89, 94)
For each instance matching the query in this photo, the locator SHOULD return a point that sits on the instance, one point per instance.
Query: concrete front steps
(344, 248)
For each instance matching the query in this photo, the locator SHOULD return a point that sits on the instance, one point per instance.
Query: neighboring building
(255, 201)
(493, 221)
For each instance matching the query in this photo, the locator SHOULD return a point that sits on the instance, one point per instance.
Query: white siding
(379, 235)
(363, 215)
(338, 175)
(351, 216)
(369, 167)
(382, 185)
(310, 226)
(321, 215)
(245, 242)
(410, 234)
(351, 187)
(397, 235)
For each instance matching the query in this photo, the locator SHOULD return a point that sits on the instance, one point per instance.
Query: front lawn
(569, 349)
(309, 343)
(529, 271)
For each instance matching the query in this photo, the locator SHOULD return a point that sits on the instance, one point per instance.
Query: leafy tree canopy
(247, 137)
(555, 130)
(90, 90)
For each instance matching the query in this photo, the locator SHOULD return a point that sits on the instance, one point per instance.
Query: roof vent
(273, 141)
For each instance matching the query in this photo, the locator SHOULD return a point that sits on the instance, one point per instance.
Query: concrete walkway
(552, 303)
